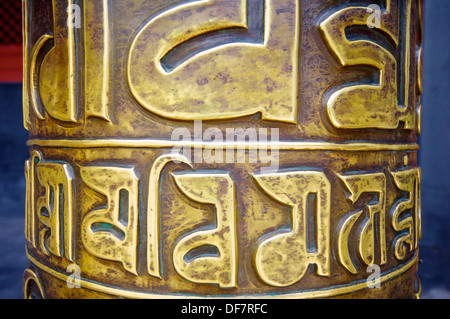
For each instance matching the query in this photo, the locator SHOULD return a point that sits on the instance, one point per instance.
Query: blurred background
(434, 155)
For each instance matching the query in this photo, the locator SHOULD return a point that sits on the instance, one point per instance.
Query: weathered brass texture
(140, 183)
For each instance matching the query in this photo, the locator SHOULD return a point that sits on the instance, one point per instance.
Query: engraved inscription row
(111, 232)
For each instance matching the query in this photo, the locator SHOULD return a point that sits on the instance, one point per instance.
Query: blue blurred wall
(435, 146)
(13, 153)
(13, 150)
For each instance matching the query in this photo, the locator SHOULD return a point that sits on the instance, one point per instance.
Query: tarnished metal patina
(222, 148)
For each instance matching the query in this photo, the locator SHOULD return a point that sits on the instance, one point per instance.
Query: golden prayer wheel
(222, 148)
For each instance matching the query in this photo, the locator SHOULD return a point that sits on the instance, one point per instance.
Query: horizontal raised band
(283, 145)
(319, 293)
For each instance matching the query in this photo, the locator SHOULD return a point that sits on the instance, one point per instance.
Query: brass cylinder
(222, 148)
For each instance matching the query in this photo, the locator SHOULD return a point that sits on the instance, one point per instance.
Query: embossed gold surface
(222, 149)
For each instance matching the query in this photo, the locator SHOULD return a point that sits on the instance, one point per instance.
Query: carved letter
(97, 45)
(216, 189)
(283, 258)
(30, 211)
(357, 185)
(187, 63)
(55, 209)
(111, 232)
(153, 215)
(407, 181)
(58, 70)
(363, 105)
